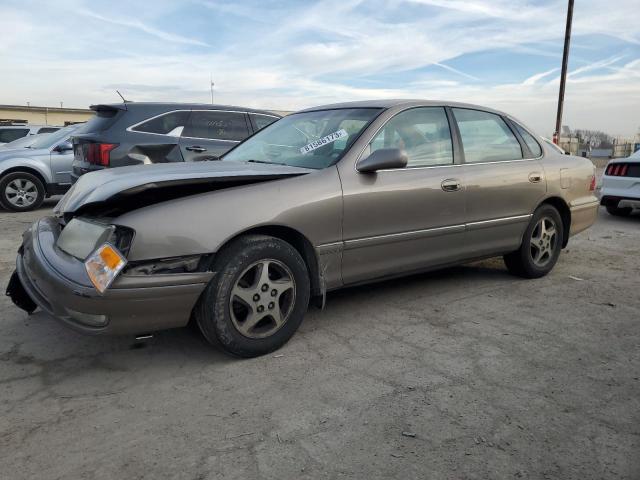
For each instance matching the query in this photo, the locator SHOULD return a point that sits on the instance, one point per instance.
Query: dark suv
(141, 133)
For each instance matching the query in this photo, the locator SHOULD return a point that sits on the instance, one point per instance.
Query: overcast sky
(292, 54)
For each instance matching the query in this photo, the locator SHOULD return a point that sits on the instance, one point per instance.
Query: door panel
(502, 188)
(399, 221)
(402, 220)
(211, 133)
(61, 166)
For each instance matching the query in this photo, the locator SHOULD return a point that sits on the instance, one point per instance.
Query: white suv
(621, 185)
(9, 133)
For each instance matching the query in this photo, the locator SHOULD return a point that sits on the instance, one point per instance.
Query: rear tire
(258, 297)
(619, 212)
(21, 192)
(541, 245)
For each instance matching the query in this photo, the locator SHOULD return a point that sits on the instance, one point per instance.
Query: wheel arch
(298, 241)
(25, 169)
(565, 214)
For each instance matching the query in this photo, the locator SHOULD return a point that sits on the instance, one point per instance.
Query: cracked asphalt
(466, 373)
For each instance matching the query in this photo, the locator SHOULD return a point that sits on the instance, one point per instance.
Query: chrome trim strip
(393, 237)
(426, 233)
(497, 221)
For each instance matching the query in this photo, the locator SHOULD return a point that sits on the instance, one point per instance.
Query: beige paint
(44, 115)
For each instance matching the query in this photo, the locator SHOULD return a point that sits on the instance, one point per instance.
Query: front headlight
(82, 236)
(104, 265)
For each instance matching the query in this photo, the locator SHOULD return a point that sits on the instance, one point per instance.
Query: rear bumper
(56, 283)
(583, 215)
(620, 202)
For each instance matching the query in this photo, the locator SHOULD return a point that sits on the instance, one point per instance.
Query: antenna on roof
(124, 100)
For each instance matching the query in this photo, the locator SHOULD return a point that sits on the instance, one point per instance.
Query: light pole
(563, 74)
(211, 85)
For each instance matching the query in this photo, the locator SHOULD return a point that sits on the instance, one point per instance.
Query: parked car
(620, 192)
(29, 175)
(143, 133)
(324, 198)
(9, 133)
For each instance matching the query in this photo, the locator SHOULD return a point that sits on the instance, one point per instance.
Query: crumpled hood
(162, 180)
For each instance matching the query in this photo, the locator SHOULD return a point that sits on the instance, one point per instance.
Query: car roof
(389, 103)
(178, 106)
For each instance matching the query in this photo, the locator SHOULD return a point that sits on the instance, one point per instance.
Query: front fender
(22, 163)
(310, 204)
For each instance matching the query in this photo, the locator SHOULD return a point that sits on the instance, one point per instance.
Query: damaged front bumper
(58, 283)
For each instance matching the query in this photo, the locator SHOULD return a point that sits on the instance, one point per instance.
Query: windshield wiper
(264, 161)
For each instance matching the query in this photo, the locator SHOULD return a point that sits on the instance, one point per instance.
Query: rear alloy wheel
(540, 247)
(21, 191)
(258, 297)
(619, 212)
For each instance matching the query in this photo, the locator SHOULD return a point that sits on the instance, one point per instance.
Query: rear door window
(486, 137)
(534, 146)
(260, 121)
(10, 134)
(215, 125)
(172, 123)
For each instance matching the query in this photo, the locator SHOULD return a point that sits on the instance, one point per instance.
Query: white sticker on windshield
(332, 137)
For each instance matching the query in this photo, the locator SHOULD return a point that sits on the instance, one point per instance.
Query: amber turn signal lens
(104, 265)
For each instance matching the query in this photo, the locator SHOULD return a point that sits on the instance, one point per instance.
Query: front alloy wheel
(257, 298)
(262, 299)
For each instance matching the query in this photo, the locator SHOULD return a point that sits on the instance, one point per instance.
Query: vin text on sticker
(321, 142)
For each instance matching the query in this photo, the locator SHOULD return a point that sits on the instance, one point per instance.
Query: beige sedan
(324, 198)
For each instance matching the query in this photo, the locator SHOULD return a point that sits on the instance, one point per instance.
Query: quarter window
(531, 142)
(422, 132)
(261, 121)
(217, 126)
(170, 123)
(486, 137)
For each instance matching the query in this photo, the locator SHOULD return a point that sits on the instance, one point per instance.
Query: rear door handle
(451, 185)
(535, 177)
(195, 148)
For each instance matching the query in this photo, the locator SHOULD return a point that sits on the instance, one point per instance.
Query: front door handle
(535, 177)
(451, 185)
(197, 149)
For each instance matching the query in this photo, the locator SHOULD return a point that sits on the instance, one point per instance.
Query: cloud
(137, 25)
(293, 55)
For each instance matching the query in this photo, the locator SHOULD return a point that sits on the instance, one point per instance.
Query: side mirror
(64, 146)
(383, 159)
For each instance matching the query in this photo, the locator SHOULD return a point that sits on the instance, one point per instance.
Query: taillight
(592, 185)
(98, 153)
(617, 169)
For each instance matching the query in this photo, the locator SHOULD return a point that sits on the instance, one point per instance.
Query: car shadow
(41, 336)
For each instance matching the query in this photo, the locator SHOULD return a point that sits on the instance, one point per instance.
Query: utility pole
(563, 74)
(211, 85)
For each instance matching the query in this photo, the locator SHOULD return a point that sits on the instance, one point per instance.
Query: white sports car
(621, 185)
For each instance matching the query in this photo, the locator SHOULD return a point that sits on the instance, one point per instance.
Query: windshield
(309, 139)
(51, 139)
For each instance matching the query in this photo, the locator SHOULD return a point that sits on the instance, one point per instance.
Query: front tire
(541, 245)
(21, 192)
(619, 212)
(257, 298)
